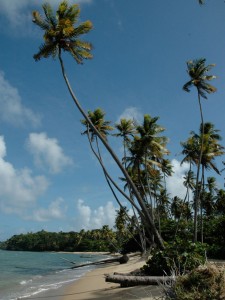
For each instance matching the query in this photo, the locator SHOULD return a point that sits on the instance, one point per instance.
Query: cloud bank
(19, 189)
(175, 182)
(55, 210)
(132, 113)
(19, 12)
(96, 218)
(47, 152)
(12, 110)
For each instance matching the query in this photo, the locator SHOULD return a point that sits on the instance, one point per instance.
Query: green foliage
(95, 240)
(214, 236)
(178, 257)
(203, 283)
(61, 32)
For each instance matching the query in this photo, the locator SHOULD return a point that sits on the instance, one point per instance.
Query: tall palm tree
(62, 35)
(126, 129)
(199, 78)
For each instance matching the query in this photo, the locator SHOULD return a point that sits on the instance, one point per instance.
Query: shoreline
(93, 286)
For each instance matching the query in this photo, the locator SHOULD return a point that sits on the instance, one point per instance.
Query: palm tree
(97, 118)
(209, 198)
(206, 141)
(126, 129)
(198, 72)
(62, 35)
(189, 183)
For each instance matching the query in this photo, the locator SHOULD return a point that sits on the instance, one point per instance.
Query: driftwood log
(122, 260)
(130, 280)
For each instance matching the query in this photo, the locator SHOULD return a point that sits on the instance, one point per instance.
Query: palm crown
(98, 119)
(198, 73)
(61, 32)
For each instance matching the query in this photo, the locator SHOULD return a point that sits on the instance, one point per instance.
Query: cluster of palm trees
(203, 148)
(143, 166)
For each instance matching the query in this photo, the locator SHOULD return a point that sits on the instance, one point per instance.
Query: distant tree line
(94, 240)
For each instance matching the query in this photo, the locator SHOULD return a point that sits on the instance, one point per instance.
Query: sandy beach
(93, 285)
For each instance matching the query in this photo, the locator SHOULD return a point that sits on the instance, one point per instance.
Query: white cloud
(18, 188)
(175, 182)
(92, 219)
(55, 210)
(47, 152)
(132, 113)
(19, 12)
(12, 110)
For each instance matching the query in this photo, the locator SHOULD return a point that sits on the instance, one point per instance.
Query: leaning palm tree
(62, 35)
(198, 72)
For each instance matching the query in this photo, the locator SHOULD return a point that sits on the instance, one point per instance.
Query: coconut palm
(199, 78)
(209, 198)
(97, 118)
(189, 183)
(206, 141)
(62, 35)
(126, 129)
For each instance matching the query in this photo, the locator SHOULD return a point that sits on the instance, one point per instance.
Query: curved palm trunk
(198, 190)
(149, 221)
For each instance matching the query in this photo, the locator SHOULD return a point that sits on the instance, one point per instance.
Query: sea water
(26, 274)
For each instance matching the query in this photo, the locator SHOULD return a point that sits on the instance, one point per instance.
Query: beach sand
(93, 285)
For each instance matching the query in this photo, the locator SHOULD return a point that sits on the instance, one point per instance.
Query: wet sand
(93, 286)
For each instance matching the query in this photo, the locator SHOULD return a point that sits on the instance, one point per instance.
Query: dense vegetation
(94, 240)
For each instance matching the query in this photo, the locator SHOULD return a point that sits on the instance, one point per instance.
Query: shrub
(178, 257)
(203, 283)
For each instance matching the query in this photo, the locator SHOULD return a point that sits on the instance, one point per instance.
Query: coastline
(93, 286)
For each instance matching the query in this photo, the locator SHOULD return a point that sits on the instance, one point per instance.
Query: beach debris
(130, 280)
(121, 259)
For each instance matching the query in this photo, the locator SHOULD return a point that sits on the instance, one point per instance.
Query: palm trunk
(197, 189)
(202, 201)
(109, 180)
(149, 221)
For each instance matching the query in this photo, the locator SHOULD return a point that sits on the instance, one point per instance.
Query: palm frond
(83, 28)
(37, 19)
(82, 45)
(50, 18)
(45, 51)
(73, 13)
(63, 7)
(186, 86)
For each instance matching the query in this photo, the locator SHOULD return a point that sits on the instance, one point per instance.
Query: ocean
(29, 274)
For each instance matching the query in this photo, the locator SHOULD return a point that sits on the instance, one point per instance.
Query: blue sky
(49, 178)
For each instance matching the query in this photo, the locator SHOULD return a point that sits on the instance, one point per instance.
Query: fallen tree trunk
(122, 260)
(129, 280)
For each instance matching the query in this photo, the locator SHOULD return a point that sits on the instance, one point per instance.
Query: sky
(49, 178)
